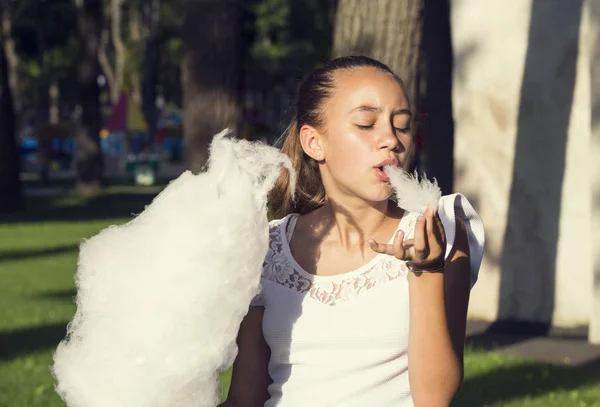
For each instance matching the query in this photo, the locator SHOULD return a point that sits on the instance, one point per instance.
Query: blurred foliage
(291, 36)
(45, 36)
(285, 39)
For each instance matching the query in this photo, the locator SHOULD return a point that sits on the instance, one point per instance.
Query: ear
(312, 142)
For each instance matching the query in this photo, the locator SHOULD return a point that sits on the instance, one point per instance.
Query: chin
(380, 194)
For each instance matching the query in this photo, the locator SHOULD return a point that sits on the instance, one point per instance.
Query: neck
(353, 223)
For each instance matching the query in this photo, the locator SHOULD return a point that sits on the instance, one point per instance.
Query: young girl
(362, 302)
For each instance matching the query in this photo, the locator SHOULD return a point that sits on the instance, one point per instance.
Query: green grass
(38, 251)
(492, 379)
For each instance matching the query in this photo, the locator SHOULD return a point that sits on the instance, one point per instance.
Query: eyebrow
(374, 109)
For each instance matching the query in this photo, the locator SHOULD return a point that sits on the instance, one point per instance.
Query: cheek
(350, 151)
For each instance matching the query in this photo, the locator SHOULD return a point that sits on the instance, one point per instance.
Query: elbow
(441, 399)
(455, 383)
(438, 393)
(432, 402)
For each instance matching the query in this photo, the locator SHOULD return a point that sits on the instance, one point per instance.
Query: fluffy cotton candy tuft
(412, 194)
(160, 299)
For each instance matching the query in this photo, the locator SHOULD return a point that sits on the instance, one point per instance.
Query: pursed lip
(389, 161)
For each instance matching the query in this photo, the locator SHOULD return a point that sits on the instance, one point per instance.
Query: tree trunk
(10, 183)
(211, 74)
(10, 54)
(111, 33)
(89, 160)
(54, 94)
(104, 62)
(44, 148)
(119, 47)
(135, 36)
(386, 30)
(438, 122)
(151, 18)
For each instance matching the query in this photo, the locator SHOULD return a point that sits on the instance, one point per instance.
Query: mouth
(381, 174)
(379, 169)
(389, 161)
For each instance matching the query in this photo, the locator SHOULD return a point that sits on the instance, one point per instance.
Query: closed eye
(363, 127)
(404, 130)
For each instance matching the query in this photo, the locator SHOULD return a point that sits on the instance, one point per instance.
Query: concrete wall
(521, 97)
(593, 21)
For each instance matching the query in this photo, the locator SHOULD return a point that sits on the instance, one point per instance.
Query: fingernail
(420, 218)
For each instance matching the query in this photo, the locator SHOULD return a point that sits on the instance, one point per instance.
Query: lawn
(38, 251)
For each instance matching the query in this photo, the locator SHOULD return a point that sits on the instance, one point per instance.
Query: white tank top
(343, 340)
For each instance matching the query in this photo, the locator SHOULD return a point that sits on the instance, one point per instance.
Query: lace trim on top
(280, 267)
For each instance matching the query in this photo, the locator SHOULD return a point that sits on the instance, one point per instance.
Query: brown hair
(314, 90)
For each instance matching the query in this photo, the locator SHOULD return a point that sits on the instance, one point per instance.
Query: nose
(388, 139)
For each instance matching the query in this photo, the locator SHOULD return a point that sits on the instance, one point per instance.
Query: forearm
(434, 368)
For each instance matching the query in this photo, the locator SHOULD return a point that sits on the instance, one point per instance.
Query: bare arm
(250, 375)
(438, 313)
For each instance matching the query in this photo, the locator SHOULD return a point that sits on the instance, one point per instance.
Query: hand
(426, 251)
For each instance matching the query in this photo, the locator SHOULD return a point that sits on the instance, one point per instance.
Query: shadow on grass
(70, 208)
(504, 333)
(30, 340)
(534, 341)
(12, 255)
(529, 379)
(58, 295)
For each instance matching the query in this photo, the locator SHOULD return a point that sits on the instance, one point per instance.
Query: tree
(9, 50)
(436, 95)
(146, 34)
(89, 160)
(387, 30)
(289, 37)
(112, 32)
(10, 184)
(211, 74)
(45, 47)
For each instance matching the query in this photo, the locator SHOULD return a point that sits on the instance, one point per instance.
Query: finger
(420, 246)
(398, 247)
(439, 228)
(381, 247)
(430, 224)
(408, 243)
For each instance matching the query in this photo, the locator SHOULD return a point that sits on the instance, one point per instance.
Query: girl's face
(366, 126)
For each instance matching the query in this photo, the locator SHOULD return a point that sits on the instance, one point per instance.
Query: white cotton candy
(412, 194)
(160, 299)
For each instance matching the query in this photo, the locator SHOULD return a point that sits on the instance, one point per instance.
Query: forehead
(367, 86)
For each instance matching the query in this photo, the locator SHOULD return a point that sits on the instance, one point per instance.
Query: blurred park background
(103, 102)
